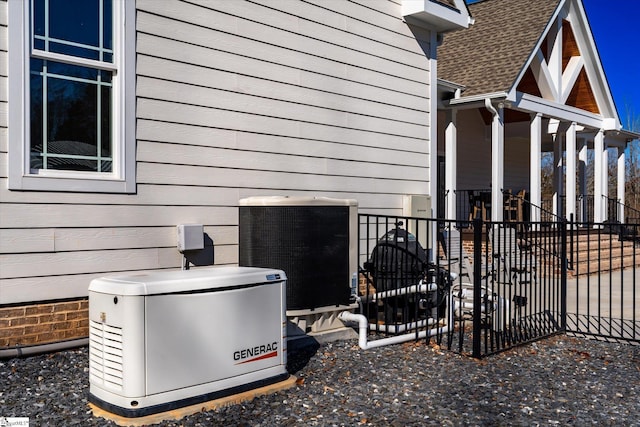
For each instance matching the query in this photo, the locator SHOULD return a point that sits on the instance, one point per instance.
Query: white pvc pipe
(363, 328)
(419, 288)
(394, 329)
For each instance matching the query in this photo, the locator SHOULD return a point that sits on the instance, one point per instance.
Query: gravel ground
(557, 381)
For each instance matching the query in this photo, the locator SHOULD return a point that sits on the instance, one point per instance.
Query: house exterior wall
(474, 152)
(233, 99)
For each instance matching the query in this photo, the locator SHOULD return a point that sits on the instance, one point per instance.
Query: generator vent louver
(105, 354)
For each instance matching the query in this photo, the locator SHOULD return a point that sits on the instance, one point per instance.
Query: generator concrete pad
(177, 414)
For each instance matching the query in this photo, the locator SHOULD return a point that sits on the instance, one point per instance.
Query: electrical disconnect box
(190, 237)
(418, 206)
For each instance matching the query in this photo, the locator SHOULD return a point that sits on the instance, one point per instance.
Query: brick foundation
(43, 323)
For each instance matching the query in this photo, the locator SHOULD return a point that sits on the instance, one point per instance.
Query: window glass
(107, 26)
(74, 27)
(71, 105)
(78, 117)
(75, 21)
(36, 113)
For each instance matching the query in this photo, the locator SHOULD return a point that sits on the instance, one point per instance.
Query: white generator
(161, 341)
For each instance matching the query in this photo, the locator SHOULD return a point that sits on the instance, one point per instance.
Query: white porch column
(535, 168)
(570, 199)
(497, 161)
(605, 182)
(558, 173)
(599, 168)
(621, 183)
(582, 179)
(450, 166)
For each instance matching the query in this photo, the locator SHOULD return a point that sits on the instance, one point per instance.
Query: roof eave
(436, 16)
(627, 135)
(451, 86)
(471, 101)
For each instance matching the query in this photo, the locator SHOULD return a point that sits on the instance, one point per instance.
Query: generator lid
(186, 281)
(296, 201)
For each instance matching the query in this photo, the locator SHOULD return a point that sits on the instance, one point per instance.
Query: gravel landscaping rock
(557, 381)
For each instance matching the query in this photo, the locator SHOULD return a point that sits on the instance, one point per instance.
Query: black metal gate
(492, 286)
(522, 292)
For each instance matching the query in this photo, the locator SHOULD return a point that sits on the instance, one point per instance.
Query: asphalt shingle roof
(488, 56)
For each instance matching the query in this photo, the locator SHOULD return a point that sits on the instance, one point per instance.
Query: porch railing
(477, 202)
(631, 215)
(469, 203)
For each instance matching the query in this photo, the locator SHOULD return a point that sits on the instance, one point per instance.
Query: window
(71, 95)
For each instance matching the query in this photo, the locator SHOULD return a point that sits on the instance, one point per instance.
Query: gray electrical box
(190, 237)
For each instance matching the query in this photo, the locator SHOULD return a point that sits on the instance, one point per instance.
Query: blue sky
(615, 28)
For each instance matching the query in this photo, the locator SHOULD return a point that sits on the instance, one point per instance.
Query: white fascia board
(475, 101)
(436, 16)
(564, 113)
(452, 86)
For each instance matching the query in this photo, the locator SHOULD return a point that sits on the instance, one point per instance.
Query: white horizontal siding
(3, 12)
(4, 66)
(234, 99)
(179, 174)
(313, 28)
(289, 74)
(42, 288)
(203, 97)
(367, 12)
(4, 63)
(3, 165)
(48, 287)
(148, 194)
(344, 29)
(89, 239)
(253, 87)
(279, 30)
(343, 64)
(4, 109)
(474, 152)
(3, 139)
(85, 262)
(3, 90)
(246, 122)
(46, 215)
(60, 263)
(4, 106)
(4, 85)
(176, 133)
(195, 155)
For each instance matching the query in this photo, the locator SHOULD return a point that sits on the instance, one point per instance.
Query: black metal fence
(478, 287)
(603, 284)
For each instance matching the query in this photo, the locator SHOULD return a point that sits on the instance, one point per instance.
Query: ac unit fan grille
(105, 355)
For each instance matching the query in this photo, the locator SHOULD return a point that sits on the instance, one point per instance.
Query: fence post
(563, 272)
(571, 241)
(477, 286)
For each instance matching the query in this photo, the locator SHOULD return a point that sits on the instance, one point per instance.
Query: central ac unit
(165, 340)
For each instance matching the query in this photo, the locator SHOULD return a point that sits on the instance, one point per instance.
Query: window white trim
(122, 179)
